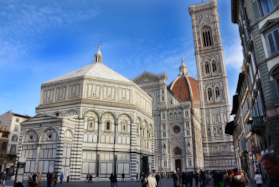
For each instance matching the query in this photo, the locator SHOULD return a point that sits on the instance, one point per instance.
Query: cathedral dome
(184, 87)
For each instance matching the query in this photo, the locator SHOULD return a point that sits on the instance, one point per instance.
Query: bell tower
(213, 86)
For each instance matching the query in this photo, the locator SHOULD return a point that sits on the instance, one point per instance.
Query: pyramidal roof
(94, 70)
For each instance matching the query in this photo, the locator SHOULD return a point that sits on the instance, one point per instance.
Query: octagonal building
(92, 120)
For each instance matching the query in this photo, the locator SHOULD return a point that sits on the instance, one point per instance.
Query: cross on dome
(98, 56)
(183, 69)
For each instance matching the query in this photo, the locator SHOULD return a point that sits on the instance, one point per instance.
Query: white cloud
(25, 21)
(233, 53)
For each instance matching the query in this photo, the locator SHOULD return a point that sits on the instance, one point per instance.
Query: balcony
(258, 125)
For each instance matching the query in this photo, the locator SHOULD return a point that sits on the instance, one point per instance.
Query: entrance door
(145, 168)
(178, 164)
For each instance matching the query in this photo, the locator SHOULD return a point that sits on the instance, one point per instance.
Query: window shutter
(275, 3)
(276, 37)
(256, 10)
(271, 43)
(274, 92)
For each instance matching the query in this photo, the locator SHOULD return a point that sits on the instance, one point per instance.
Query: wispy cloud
(233, 53)
(24, 21)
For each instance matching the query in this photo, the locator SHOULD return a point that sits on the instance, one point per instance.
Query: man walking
(61, 177)
(157, 179)
(123, 176)
(237, 179)
(197, 179)
(3, 179)
(270, 163)
(176, 179)
(151, 181)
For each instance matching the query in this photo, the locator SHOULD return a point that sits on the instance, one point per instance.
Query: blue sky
(41, 40)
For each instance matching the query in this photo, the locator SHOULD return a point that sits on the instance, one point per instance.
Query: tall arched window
(4, 146)
(207, 72)
(206, 36)
(90, 125)
(209, 93)
(214, 67)
(217, 94)
(108, 125)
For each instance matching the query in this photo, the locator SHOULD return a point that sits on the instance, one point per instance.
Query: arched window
(209, 93)
(214, 67)
(177, 151)
(124, 126)
(90, 124)
(206, 35)
(217, 94)
(207, 72)
(108, 125)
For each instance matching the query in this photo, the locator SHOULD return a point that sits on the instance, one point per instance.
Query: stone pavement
(165, 182)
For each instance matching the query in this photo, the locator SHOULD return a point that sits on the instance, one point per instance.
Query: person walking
(196, 176)
(190, 179)
(115, 180)
(151, 181)
(157, 177)
(184, 179)
(237, 179)
(144, 180)
(123, 176)
(270, 163)
(3, 179)
(39, 179)
(216, 178)
(258, 179)
(34, 177)
(61, 177)
(55, 178)
(203, 179)
(246, 178)
(111, 178)
(228, 178)
(176, 179)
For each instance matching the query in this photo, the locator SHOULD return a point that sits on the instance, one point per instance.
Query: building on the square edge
(177, 120)
(10, 129)
(92, 120)
(258, 23)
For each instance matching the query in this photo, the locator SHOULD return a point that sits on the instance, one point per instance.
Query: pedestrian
(228, 178)
(221, 178)
(151, 181)
(246, 178)
(90, 178)
(203, 179)
(39, 179)
(48, 179)
(137, 178)
(144, 180)
(123, 176)
(196, 176)
(3, 179)
(258, 179)
(34, 177)
(190, 177)
(111, 178)
(19, 184)
(216, 179)
(237, 179)
(55, 178)
(115, 180)
(184, 179)
(157, 177)
(176, 179)
(270, 163)
(30, 177)
(61, 177)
